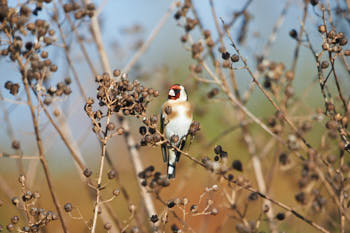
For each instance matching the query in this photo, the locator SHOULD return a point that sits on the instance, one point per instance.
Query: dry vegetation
(284, 169)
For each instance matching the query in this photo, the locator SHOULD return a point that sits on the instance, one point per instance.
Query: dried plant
(262, 156)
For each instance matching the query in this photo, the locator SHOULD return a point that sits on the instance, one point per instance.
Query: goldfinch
(176, 119)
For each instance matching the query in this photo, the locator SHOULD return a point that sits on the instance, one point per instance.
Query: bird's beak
(171, 92)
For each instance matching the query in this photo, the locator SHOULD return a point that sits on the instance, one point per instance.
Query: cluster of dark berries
(149, 131)
(26, 42)
(273, 73)
(197, 49)
(219, 163)
(194, 128)
(40, 67)
(226, 57)
(333, 41)
(276, 122)
(28, 199)
(131, 98)
(153, 180)
(80, 12)
(119, 95)
(183, 9)
(15, 24)
(213, 92)
(61, 88)
(12, 87)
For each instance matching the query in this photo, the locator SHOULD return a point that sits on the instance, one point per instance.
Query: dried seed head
(322, 28)
(44, 54)
(87, 172)
(171, 204)
(91, 7)
(8, 85)
(214, 211)
(226, 64)
(22, 179)
(206, 34)
(343, 41)
(194, 208)
(14, 219)
(112, 174)
(198, 69)
(280, 216)
(225, 55)
(107, 226)
(290, 75)
(143, 130)
(154, 218)
(234, 58)
(325, 46)
(67, 80)
(132, 208)
(10, 227)
(16, 145)
(154, 119)
(111, 126)
(68, 207)
(293, 33)
(314, 2)
(120, 130)
(67, 7)
(116, 73)
(324, 64)
(116, 192)
(237, 165)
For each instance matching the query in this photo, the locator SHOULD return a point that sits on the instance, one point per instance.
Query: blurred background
(125, 25)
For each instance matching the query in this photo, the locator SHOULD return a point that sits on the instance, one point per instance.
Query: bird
(175, 121)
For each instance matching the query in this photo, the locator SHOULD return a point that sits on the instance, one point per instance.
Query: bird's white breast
(180, 124)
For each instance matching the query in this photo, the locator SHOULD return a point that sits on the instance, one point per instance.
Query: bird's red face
(174, 92)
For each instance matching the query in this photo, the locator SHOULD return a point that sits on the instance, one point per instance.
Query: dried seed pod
(293, 33)
(322, 28)
(14, 219)
(314, 2)
(68, 207)
(15, 201)
(116, 192)
(237, 165)
(225, 55)
(290, 75)
(111, 126)
(16, 144)
(234, 58)
(107, 226)
(324, 64)
(116, 73)
(214, 211)
(112, 174)
(120, 130)
(87, 172)
(154, 218)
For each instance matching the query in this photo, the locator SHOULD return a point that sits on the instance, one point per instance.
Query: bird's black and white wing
(163, 146)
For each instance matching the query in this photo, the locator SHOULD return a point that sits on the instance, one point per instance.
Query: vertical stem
(40, 147)
(102, 161)
(98, 194)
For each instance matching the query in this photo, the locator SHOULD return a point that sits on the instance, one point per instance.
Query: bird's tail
(171, 164)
